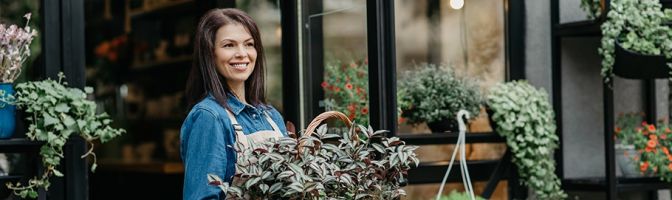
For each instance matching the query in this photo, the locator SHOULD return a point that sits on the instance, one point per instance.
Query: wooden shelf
(168, 7)
(185, 59)
(623, 184)
(426, 172)
(157, 167)
(449, 138)
(19, 145)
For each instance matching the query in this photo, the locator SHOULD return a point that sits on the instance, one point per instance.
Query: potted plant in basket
(357, 164)
(434, 94)
(649, 143)
(524, 117)
(57, 112)
(636, 40)
(14, 50)
(594, 8)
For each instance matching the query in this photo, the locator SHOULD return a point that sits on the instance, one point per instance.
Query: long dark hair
(204, 78)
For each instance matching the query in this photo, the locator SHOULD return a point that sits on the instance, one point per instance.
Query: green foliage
(651, 140)
(328, 166)
(525, 118)
(592, 7)
(638, 25)
(56, 113)
(432, 93)
(346, 89)
(455, 195)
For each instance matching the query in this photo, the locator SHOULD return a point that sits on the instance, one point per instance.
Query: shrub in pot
(434, 94)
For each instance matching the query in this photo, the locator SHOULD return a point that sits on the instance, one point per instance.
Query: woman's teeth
(242, 65)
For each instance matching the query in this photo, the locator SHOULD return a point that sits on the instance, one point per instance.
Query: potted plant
(524, 117)
(636, 40)
(594, 8)
(434, 94)
(649, 143)
(58, 112)
(358, 164)
(346, 89)
(14, 50)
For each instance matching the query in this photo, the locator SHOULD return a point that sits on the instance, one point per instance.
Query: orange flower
(365, 111)
(617, 129)
(648, 149)
(651, 144)
(401, 120)
(669, 158)
(663, 136)
(324, 84)
(669, 166)
(652, 128)
(644, 123)
(348, 86)
(666, 151)
(667, 130)
(643, 166)
(352, 107)
(653, 137)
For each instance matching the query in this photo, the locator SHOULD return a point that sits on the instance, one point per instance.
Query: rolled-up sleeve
(204, 149)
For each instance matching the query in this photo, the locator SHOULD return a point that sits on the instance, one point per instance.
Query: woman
(225, 91)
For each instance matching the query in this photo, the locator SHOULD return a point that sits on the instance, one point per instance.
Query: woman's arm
(204, 151)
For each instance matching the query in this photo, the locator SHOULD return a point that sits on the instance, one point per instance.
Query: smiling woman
(226, 96)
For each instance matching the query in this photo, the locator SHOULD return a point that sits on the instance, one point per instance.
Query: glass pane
(469, 41)
(345, 82)
(267, 15)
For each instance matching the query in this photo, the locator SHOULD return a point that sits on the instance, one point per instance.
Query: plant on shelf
(593, 8)
(638, 26)
(346, 89)
(58, 112)
(357, 164)
(455, 195)
(434, 93)
(14, 51)
(651, 141)
(524, 117)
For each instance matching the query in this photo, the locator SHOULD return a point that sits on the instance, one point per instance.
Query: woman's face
(235, 54)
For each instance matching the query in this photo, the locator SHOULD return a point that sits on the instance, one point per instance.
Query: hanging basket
(633, 65)
(442, 126)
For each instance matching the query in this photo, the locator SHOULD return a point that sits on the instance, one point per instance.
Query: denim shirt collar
(236, 105)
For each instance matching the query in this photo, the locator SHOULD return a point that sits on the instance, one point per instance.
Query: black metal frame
(610, 183)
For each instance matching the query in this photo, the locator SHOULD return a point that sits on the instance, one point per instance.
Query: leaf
(249, 183)
(57, 173)
(275, 187)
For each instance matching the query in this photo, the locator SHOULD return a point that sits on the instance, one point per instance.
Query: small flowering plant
(14, 49)
(346, 89)
(651, 141)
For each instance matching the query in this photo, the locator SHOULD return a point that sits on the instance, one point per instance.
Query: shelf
(623, 184)
(448, 138)
(579, 28)
(433, 172)
(19, 145)
(157, 167)
(185, 59)
(172, 7)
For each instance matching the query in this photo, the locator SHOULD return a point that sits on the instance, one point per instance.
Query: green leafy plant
(637, 25)
(592, 7)
(650, 141)
(524, 117)
(346, 89)
(455, 195)
(432, 93)
(328, 166)
(57, 112)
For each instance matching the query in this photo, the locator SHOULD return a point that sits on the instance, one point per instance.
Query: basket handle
(319, 119)
(324, 116)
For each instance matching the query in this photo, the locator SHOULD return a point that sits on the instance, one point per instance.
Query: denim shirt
(207, 138)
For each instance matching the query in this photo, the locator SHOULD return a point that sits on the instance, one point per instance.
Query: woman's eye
(250, 44)
(228, 45)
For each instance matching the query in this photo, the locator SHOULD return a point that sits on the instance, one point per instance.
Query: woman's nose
(240, 52)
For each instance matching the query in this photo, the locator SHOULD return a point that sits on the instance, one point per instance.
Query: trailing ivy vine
(524, 117)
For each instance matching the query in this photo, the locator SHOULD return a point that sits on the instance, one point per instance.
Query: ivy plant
(524, 117)
(592, 7)
(637, 25)
(432, 93)
(57, 112)
(357, 164)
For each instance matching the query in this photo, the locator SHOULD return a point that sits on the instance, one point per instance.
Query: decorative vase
(444, 125)
(7, 113)
(633, 65)
(625, 159)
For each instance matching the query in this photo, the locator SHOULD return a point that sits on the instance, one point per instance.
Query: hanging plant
(593, 8)
(57, 112)
(524, 117)
(638, 26)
